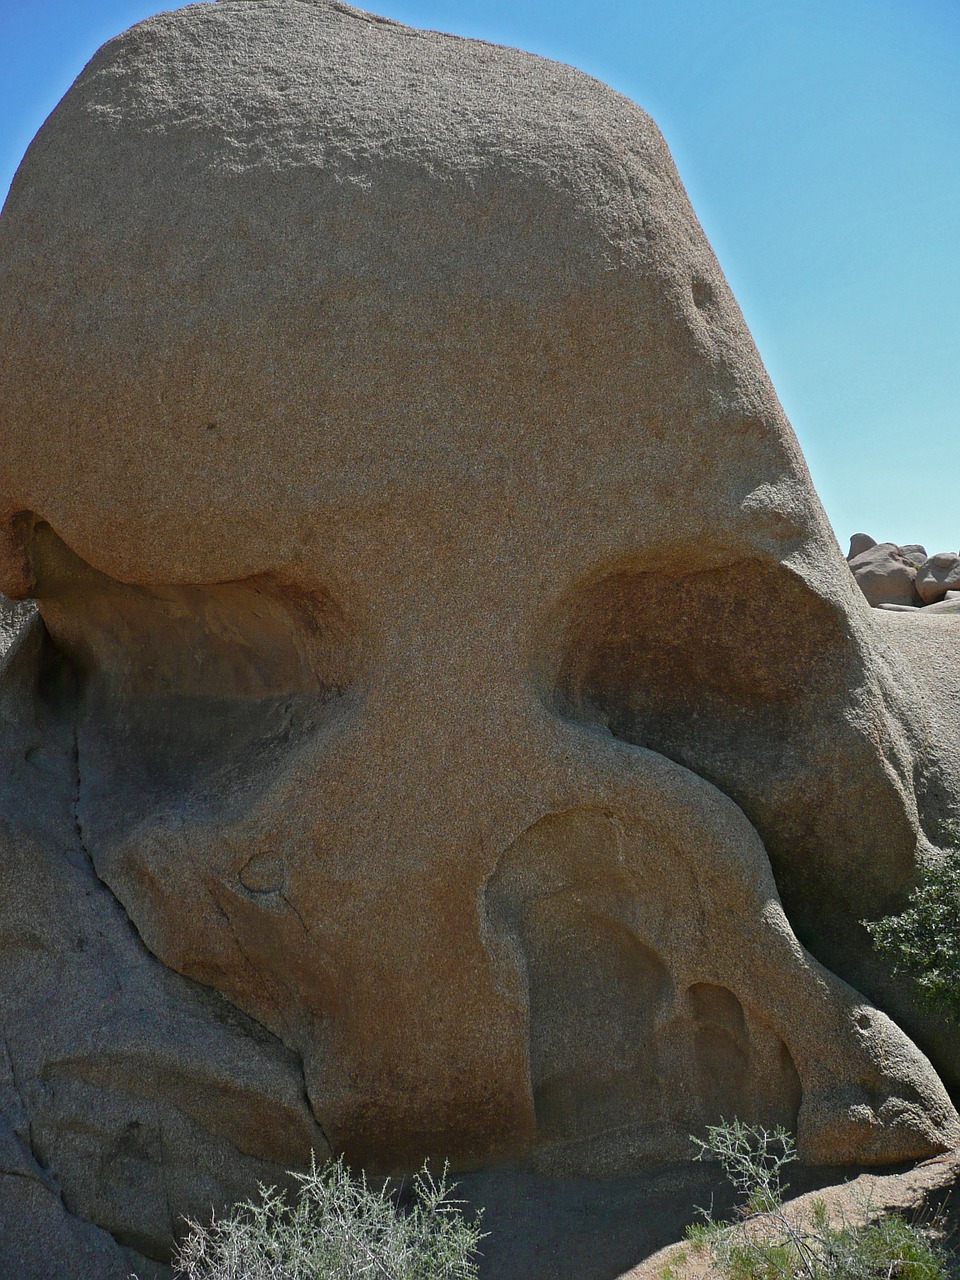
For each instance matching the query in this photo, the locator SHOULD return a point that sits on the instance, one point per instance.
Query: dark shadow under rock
(543, 1228)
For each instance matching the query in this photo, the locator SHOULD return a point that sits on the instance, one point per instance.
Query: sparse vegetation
(765, 1243)
(923, 942)
(339, 1228)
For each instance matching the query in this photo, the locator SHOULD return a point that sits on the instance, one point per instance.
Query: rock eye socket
(189, 696)
(686, 664)
(732, 672)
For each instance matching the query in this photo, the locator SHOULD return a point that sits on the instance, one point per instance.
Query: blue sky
(820, 143)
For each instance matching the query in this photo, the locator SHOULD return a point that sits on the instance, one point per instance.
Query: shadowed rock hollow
(446, 708)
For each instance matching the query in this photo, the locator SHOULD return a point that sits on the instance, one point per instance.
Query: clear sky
(820, 143)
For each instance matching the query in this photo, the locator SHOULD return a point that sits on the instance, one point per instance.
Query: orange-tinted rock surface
(444, 668)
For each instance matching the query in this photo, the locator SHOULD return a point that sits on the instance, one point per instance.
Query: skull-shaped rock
(458, 646)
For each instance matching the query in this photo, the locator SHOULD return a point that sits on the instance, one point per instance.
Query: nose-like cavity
(408, 803)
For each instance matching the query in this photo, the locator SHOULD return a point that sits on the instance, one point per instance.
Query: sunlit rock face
(905, 578)
(444, 674)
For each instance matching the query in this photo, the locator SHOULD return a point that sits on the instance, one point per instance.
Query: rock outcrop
(886, 575)
(859, 543)
(938, 576)
(447, 726)
(905, 578)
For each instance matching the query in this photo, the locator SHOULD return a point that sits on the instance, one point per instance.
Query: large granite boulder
(937, 576)
(448, 708)
(913, 553)
(886, 574)
(860, 542)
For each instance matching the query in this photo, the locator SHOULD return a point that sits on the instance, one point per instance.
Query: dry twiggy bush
(337, 1227)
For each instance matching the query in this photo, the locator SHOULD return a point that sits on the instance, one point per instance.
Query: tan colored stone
(885, 575)
(937, 576)
(108, 1059)
(447, 640)
(859, 543)
(914, 553)
(918, 1195)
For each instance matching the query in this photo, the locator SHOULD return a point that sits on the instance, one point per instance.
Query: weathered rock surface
(924, 1194)
(903, 578)
(885, 575)
(949, 604)
(109, 1061)
(937, 576)
(447, 697)
(914, 553)
(859, 543)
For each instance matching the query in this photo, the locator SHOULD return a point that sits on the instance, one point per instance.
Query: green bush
(337, 1228)
(923, 943)
(762, 1243)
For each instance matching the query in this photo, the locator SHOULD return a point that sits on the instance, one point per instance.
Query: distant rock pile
(905, 578)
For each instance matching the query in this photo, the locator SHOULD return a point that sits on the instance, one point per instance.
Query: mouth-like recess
(666, 988)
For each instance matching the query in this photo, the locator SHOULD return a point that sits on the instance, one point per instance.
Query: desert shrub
(337, 1227)
(762, 1243)
(923, 942)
